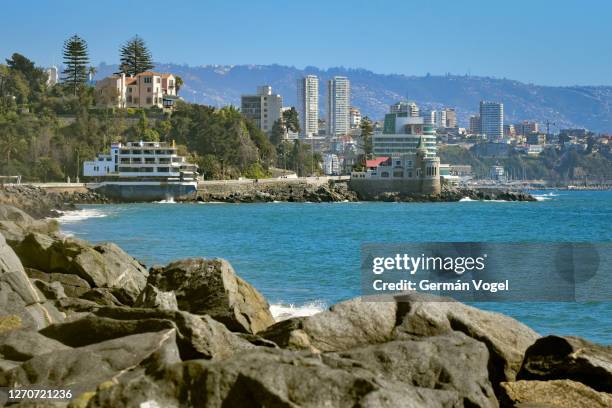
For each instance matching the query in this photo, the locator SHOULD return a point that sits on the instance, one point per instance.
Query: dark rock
(102, 266)
(345, 325)
(21, 345)
(197, 336)
(153, 298)
(572, 358)
(212, 287)
(74, 286)
(85, 367)
(19, 299)
(269, 378)
(15, 224)
(556, 393)
(101, 296)
(452, 362)
(53, 290)
(506, 338)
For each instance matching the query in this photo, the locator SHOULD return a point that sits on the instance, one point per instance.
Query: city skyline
(535, 44)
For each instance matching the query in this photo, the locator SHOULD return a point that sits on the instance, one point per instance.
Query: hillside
(575, 106)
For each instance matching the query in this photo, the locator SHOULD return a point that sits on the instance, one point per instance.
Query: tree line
(47, 131)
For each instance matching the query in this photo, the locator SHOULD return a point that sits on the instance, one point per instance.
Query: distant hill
(572, 106)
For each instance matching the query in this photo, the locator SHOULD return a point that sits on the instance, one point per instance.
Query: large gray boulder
(82, 369)
(345, 325)
(19, 299)
(553, 394)
(22, 345)
(212, 287)
(506, 338)
(573, 358)
(269, 378)
(153, 298)
(452, 362)
(74, 286)
(102, 266)
(197, 336)
(15, 224)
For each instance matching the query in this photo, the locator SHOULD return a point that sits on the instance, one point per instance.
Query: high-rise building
(526, 127)
(354, 117)
(440, 118)
(429, 117)
(308, 105)
(451, 118)
(264, 108)
(403, 107)
(492, 120)
(338, 103)
(475, 124)
(52, 76)
(401, 135)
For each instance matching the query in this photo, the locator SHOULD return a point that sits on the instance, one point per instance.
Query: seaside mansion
(145, 90)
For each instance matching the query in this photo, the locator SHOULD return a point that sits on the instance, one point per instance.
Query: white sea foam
(69, 217)
(545, 197)
(464, 199)
(284, 311)
(169, 200)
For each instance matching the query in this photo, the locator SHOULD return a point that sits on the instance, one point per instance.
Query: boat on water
(142, 171)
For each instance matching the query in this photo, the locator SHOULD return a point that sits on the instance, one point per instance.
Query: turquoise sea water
(308, 255)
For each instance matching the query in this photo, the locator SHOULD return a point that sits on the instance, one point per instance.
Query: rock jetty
(341, 192)
(192, 333)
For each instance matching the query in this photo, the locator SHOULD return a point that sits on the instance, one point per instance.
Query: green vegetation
(47, 132)
(135, 57)
(296, 155)
(551, 164)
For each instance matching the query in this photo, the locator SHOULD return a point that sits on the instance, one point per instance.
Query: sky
(562, 42)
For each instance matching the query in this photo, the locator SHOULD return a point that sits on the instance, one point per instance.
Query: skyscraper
(451, 118)
(409, 107)
(338, 104)
(264, 108)
(492, 120)
(475, 124)
(308, 105)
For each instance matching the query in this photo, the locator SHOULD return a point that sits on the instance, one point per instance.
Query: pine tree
(135, 57)
(76, 59)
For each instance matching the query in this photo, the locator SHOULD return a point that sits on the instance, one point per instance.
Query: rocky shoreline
(39, 203)
(340, 192)
(93, 319)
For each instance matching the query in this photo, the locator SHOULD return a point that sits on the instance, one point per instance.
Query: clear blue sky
(541, 41)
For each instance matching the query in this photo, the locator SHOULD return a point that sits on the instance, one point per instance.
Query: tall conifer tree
(135, 57)
(76, 59)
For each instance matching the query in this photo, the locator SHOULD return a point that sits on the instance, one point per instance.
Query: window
(149, 89)
(384, 174)
(158, 80)
(149, 100)
(147, 80)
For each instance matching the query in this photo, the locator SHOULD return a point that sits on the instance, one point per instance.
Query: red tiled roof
(376, 162)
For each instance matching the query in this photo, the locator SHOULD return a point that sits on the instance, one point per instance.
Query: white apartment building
(354, 117)
(492, 120)
(338, 104)
(405, 107)
(308, 105)
(264, 108)
(145, 90)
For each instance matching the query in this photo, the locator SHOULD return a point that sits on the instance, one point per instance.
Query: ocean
(305, 257)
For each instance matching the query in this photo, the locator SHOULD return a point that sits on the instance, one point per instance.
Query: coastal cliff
(91, 318)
